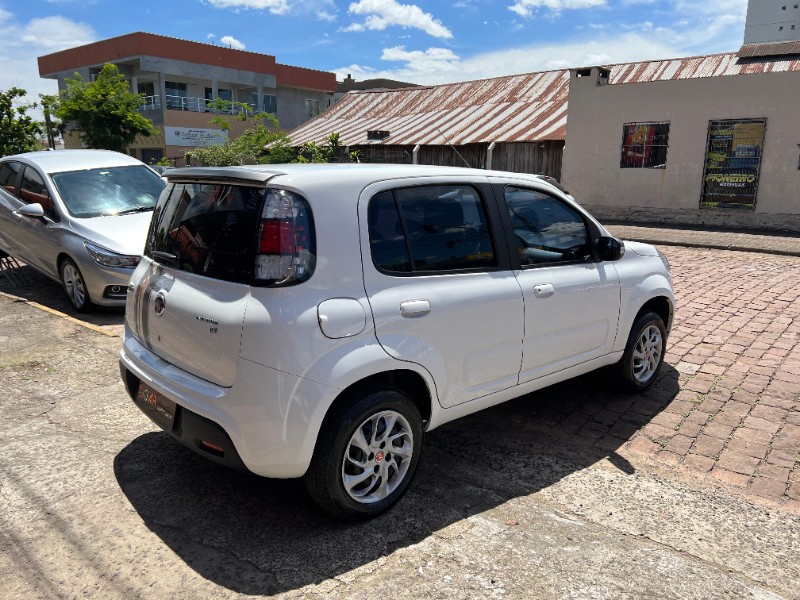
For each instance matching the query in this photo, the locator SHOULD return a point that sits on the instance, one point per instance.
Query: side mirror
(610, 248)
(35, 210)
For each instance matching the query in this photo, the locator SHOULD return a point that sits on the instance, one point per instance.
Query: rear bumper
(267, 420)
(197, 433)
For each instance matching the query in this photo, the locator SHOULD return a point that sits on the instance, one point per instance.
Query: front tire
(644, 353)
(75, 286)
(366, 456)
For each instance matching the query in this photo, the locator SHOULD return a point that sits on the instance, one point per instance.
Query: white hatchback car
(79, 217)
(316, 320)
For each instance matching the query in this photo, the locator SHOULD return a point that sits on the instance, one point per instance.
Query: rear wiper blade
(135, 209)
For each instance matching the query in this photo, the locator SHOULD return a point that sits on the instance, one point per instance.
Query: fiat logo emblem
(160, 304)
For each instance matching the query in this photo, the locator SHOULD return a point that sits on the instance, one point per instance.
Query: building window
(222, 94)
(176, 95)
(733, 163)
(270, 104)
(644, 146)
(146, 88)
(312, 107)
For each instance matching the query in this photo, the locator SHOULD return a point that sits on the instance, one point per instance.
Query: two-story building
(179, 79)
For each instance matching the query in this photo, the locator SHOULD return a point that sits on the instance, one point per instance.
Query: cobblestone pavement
(736, 345)
(726, 406)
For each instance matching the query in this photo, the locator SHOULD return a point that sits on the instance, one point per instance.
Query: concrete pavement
(95, 502)
(690, 490)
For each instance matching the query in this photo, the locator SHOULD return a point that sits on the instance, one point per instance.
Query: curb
(58, 313)
(731, 247)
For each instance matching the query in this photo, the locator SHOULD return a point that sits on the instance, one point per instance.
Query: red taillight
(285, 240)
(277, 237)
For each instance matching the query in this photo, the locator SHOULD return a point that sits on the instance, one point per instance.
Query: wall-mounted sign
(733, 161)
(189, 136)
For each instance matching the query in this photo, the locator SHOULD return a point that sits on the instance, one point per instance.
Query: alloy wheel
(377, 457)
(647, 353)
(73, 284)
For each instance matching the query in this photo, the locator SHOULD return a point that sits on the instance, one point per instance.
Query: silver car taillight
(286, 253)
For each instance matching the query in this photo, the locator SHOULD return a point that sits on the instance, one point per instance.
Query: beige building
(715, 143)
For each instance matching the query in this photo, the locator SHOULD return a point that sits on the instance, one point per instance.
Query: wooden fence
(523, 157)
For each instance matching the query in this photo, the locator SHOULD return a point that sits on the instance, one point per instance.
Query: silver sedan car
(78, 216)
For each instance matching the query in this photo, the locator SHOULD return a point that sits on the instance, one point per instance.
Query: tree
(104, 111)
(248, 148)
(52, 125)
(260, 143)
(18, 131)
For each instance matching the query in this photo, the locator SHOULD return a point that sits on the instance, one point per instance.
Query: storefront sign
(187, 136)
(733, 161)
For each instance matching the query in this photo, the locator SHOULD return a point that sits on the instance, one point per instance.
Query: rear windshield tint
(208, 229)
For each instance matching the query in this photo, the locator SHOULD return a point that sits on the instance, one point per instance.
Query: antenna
(453, 147)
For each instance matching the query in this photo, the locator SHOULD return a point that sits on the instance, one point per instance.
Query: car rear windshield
(108, 191)
(207, 228)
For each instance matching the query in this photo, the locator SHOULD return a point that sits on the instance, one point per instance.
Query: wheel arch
(659, 305)
(62, 256)
(653, 293)
(407, 381)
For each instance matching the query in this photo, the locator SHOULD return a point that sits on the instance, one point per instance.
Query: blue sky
(422, 42)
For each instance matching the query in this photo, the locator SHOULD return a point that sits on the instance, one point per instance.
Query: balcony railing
(193, 105)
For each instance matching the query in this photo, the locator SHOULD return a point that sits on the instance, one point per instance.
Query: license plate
(156, 406)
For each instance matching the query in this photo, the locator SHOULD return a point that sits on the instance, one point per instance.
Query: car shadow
(259, 536)
(22, 281)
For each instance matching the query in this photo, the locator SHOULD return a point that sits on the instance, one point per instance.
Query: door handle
(543, 290)
(415, 308)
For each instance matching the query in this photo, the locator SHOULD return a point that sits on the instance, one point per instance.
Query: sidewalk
(722, 240)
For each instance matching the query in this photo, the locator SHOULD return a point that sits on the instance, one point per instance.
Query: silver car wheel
(73, 284)
(377, 457)
(647, 353)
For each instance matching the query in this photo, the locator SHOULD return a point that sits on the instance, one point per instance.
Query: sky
(424, 42)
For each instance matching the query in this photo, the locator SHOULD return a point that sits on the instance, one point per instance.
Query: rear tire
(644, 353)
(366, 456)
(75, 286)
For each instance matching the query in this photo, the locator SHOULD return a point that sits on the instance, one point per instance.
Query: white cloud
(231, 42)
(525, 8)
(380, 14)
(276, 7)
(22, 42)
(325, 10)
(419, 63)
(55, 33)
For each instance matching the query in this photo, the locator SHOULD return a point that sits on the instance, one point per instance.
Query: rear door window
(9, 173)
(208, 229)
(33, 190)
(430, 229)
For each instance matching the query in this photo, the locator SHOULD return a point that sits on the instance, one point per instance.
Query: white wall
(591, 168)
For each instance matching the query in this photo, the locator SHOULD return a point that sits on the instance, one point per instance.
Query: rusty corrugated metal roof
(515, 108)
(769, 49)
